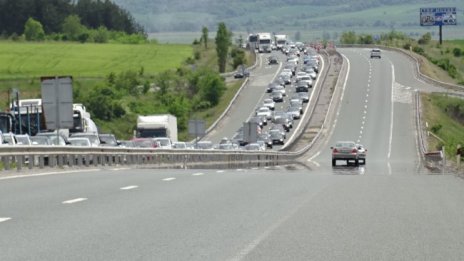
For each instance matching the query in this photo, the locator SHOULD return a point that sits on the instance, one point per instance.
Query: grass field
(32, 60)
(437, 110)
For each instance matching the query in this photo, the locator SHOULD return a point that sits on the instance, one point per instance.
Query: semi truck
(280, 41)
(156, 126)
(264, 43)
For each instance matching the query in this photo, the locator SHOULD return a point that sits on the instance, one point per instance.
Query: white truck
(264, 43)
(280, 41)
(155, 126)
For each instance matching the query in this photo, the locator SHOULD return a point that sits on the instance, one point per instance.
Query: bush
(407, 46)
(436, 128)
(457, 52)
(418, 50)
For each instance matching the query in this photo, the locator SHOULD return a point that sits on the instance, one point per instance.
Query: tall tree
(204, 36)
(222, 45)
(33, 30)
(72, 27)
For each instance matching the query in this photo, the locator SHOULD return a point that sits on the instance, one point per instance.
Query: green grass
(32, 60)
(210, 115)
(436, 114)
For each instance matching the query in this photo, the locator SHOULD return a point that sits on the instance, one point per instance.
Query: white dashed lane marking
(169, 179)
(198, 174)
(129, 187)
(3, 219)
(220, 171)
(72, 201)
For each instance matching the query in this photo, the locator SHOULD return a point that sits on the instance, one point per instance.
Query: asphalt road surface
(389, 209)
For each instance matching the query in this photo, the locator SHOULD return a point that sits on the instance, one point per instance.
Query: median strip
(72, 201)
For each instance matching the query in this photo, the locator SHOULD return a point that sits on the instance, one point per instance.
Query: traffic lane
(27, 197)
(387, 129)
(245, 102)
(203, 217)
(372, 218)
(352, 111)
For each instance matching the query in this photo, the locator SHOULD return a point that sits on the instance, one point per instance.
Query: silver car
(346, 151)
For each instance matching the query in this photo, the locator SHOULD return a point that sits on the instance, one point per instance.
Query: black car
(242, 72)
(273, 60)
(277, 137)
(277, 97)
(301, 87)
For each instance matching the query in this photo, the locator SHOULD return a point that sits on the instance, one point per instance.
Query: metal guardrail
(31, 157)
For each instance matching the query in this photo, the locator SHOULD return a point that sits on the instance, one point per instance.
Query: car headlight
(281, 139)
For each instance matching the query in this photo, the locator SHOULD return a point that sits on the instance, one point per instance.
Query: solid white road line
(315, 155)
(74, 200)
(169, 179)
(3, 219)
(129, 187)
(198, 174)
(391, 112)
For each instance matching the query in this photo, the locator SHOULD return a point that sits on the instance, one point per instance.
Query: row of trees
(52, 14)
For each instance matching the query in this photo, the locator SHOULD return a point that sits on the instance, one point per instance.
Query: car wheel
(334, 162)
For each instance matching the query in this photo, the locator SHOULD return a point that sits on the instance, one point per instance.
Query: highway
(389, 209)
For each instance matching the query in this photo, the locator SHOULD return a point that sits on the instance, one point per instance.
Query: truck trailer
(154, 126)
(264, 43)
(280, 41)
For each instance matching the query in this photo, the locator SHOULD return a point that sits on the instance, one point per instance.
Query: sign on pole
(57, 99)
(432, 16)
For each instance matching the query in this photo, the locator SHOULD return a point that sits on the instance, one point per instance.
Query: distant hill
(282, 15)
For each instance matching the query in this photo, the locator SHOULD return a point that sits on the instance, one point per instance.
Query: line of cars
(288, 93)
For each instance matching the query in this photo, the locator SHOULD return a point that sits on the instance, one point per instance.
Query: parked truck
(154, 126)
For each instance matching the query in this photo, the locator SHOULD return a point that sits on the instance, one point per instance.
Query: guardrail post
(52, 161)
(19, 162)
(6, 162)
(31, 161)
(42, 161)
(60, 161)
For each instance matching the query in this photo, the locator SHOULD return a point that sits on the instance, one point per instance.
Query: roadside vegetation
(445, 118)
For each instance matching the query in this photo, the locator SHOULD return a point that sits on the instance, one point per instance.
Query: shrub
(457, 52)
(407, 46)
(436, 128)
(418, 50)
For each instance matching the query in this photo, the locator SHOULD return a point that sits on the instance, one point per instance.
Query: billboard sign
(432, 16)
